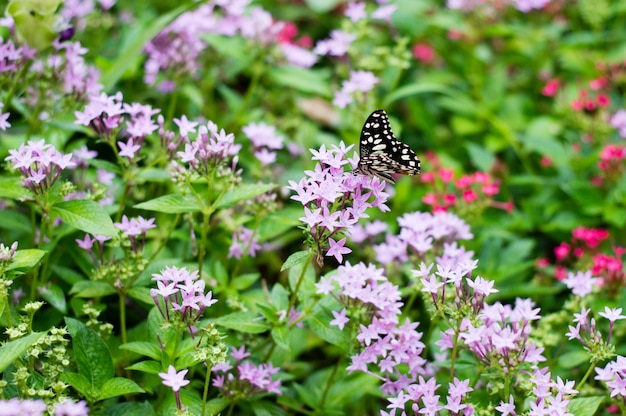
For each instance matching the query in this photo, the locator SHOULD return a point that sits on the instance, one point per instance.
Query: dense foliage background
(182, 232)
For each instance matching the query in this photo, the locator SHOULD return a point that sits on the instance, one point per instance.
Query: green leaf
(154, 175)
(132, 409)
(55, 296)
(149, 366)
(133, 51)
(243, 321)
(299, 257)
(481, 158)
(141, 294)
(118, 386)
(215, 406)
(244, 192)
(244, 281)
(302, 79)
(148, 349)
(13, 220)
(26, 259)
(171, 204)
(87, 216)
(10, 351)
(327, 332)
(93, 358)
(584, 406)
(280, 335)
(91, 289)
(80, 384)
(322, 6)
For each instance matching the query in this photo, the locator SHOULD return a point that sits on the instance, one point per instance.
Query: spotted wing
(383, 155)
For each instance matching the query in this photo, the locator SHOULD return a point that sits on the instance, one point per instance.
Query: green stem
(122, 298)
(205, 392)
(166, 239)
(455, 351)
(587, 374)
(203, 237)
(294, 294)
(329, 383)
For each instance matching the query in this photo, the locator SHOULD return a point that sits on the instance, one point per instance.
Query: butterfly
(381, 153)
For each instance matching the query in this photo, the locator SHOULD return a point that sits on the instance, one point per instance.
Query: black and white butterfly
(383, 155)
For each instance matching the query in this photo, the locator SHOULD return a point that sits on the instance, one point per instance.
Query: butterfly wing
(381, 153)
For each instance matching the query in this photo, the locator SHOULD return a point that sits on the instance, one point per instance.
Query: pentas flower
(355, 11)
(175, 380)
(551, 87)
(41, 165)
(13, 58)
(611, 165)
(371, 306)
(584, 251)
(87, 244)
(580, 283)
(618, 121)
(424, 53)
(4, 124)
(521, 5)
(590, 103)
(7, 253)
(135, 227)
(359, 82)
(424, 234)
(244, 379)
(468, 194)
(103, 114)
(244, 242)
(210, 150)
(334, 200)
(336, 45)
(180, 296)
(27, 407)
(176, 52)
(265, 140)
(614, 376)
(79, 78)
(70, 408)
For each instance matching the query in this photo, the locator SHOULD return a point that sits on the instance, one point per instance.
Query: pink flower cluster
(209, 149)
(472, 192)
(40, 164)
(247, 379)
(334, 199)
(181, 293)
(265, 141)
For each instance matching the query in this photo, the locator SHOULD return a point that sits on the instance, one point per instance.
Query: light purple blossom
(618, 121)
(4, 124)
(356, 11)
(298, 56)
(336, 45)
(334, 199)
(243, 242)
(40, 164)
(180, 295)
(244, 377)
(70, 408)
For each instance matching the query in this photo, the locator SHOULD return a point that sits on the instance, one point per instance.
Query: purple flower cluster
(359, 83)
(178, 48)
(334, 200)
(13, 59)
(79, 78)
(243, 242)
(587, 333)
(40, 164)
(135, 227)
(106, 114)
(614, 375)
(421, 232)
(336, 45)
(180, 295)
(265, 141)
(244, 379)
(28, 407)
(175, 380)
(209, 150)
(581, 283)
(87, 244)
(521, 5)
(365, 291)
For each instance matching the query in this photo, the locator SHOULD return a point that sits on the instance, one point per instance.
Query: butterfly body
(381, 154)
